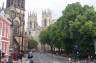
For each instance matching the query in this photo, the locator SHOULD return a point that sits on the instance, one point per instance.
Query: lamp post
(11, 46)
(12, 37)
(22, 30)
(22, 37)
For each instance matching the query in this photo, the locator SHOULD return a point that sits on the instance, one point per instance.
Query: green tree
(78, 20)
(32, 43)
(74, 31)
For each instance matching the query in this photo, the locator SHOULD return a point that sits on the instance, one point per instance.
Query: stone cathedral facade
(46, 18)
(33, 29)
(15, 10)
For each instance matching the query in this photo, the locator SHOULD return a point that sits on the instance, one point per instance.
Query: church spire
(3, 6)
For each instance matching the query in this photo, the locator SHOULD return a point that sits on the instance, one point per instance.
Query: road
(45, 58)
(48, 58)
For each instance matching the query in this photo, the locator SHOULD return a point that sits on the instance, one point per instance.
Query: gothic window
(13, 14)
(45, 22)
(0, 28)
(30, 24)
(16, 27)
(18, 4)
(9, 3)
(34, 25)
(22, 5)
(49, 21)
(29, 33)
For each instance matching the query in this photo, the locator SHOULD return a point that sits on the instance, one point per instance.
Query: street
(48, 58)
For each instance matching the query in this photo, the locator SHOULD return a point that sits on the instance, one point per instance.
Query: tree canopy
(32, 43)
(74, 31)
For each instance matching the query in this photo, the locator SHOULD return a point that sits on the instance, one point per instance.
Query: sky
(56, 6)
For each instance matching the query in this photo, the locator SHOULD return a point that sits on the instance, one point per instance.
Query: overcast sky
(56, 6)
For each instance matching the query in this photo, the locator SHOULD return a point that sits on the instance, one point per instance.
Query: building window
(13, 14)
(30, 24)
(45, 23)
(4, 30)
(34, 25)
(22, 5)
(0, 28)
(16, 27)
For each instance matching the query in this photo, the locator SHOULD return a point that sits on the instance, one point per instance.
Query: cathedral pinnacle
(2, 5)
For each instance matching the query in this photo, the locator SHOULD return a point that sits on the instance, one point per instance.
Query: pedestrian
(30, 59)
(15, 55)
(3, 57)
(89, 59)
(25, 58)
(69, 59)
(20, 55)
(30, 56)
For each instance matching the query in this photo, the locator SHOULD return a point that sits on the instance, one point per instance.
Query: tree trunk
(44, 48)
(52, 49)
(59, 50)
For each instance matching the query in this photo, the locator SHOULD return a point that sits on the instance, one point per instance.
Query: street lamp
(12, 37)
(13, 15)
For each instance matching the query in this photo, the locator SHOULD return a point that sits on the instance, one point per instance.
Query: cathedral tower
(32, 24)
(46, 18)
(33, 29)
(32, 21)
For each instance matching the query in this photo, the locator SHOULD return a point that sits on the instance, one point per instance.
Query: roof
(2, 15)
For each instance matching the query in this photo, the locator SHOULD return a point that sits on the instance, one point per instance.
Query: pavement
(48, 58)
(44, 58)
